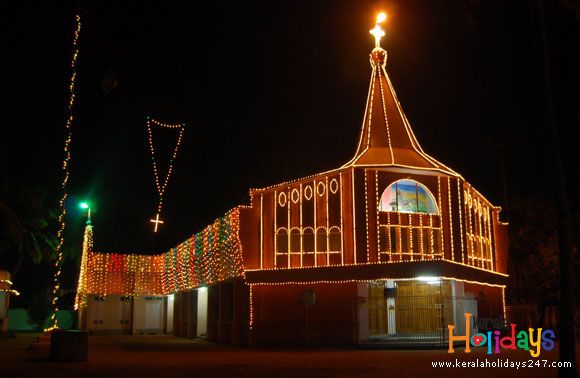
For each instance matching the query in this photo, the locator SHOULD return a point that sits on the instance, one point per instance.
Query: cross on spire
(377, 31)
(390, 141)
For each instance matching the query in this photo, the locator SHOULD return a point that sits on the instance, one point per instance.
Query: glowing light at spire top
(377, 31)
(381, 17)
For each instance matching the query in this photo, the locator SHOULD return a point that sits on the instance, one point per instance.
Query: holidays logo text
(533, 340)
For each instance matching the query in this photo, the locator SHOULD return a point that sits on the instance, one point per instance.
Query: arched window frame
(418, 185)
(334, 240)
(321, 239)
(308, 240)
(282, 240)
(295, 240)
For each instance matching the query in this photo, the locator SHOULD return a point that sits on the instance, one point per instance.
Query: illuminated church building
(390, 247)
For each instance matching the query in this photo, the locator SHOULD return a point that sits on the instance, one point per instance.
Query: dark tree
(27, 230)
(560, 195)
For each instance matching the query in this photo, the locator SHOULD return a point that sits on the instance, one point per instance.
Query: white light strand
(162, 186)
(53, 321)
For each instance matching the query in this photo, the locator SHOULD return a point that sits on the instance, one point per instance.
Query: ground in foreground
(139, 356)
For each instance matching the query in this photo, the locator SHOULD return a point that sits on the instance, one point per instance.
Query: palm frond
(34, 249)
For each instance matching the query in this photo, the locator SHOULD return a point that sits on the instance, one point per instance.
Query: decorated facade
(390, 247)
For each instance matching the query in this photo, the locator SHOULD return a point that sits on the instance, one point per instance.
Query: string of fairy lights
(209, 256)
(215, 254)
(161, 186)
(53, 320)
(5, 287)
(80, 299)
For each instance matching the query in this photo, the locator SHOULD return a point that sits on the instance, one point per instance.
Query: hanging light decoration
(209, 256)
(162, 185)
(53, 321)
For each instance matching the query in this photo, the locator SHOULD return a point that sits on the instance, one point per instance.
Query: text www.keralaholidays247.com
(501, 363)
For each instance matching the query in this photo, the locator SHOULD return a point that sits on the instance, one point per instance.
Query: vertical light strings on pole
(81, 296)
(65, 169)
(161, 186)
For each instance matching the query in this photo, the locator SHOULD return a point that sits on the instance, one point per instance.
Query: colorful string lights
(304, 225)
(53, 321)
(80, 298)
(209, 256)
(162, 186)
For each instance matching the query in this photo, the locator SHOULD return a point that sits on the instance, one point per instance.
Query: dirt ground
(168, 356)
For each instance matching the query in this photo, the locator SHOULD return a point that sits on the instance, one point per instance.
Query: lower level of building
(411, 311)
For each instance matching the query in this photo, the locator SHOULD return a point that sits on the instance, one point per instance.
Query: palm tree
(26, 228)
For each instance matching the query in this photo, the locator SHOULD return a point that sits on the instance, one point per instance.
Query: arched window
(295, 240)
(334, 241)
(408, 196)
(308, 240)
(321, 241)
(282, 241)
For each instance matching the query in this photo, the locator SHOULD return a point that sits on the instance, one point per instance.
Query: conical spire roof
(386, 137)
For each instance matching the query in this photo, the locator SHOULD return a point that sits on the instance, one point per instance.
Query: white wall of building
(3, 311)
(202, 295)
(110, 314)
(169, 311)
(148, 315)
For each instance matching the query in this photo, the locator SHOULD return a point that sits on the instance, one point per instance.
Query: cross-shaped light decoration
(156, 221)
(378, 32)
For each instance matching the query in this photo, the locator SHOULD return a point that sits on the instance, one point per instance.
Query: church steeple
(386, 137)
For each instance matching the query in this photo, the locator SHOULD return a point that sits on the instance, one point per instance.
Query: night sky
(270, 91)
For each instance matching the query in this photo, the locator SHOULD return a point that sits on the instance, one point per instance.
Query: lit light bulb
(381, 17)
